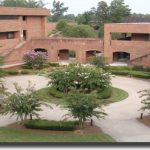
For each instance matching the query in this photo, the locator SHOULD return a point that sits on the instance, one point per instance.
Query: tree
(102, 13)
(23, 104)
(58, 10)
(118, 10)
(82, 107)
(61, 25)
(98, 61)
(22, 3)
(79, 31)
(78, 77)
(146, 99)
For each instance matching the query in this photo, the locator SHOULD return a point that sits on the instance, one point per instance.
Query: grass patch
(13, 135)
(116, 96)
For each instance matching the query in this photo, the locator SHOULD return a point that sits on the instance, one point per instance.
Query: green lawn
(13, 135)
(117, 95)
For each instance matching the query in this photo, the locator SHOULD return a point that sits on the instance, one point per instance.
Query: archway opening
(41, 50)
(67, 55)
(92, 53)
(121, 57)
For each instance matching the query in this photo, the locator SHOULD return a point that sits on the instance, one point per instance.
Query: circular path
(121, 122)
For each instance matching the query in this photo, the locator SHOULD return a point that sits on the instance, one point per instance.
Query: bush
(98, 61)
(53, 64)
(12, 72)
(138, 68)
(105, 94)
(120, 72)
(79, 31)
(61, 25)
(79, 77)
(55, 93)
(24, 72)
(2, 73)
(35, 60)
(140, 74)
(51, 125)
(118, 68)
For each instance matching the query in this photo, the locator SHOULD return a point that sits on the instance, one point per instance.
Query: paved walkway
(121, 123)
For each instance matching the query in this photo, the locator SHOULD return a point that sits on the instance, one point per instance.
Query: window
(24, 18)
(10, 35)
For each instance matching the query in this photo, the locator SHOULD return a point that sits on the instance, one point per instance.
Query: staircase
(8, 51)
(141, 61)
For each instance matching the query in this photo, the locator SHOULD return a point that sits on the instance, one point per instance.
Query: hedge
(138, 74)
(105, 94)
(51, 125)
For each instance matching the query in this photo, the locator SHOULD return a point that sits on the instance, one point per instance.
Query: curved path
(121, 121)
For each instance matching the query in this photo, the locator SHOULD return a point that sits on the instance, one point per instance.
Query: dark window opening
(8, 17)
(10, 35)
(121, 57)
(24, 35)
(24, 18)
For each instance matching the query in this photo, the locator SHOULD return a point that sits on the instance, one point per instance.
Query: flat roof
(21, 11)
(138, 23)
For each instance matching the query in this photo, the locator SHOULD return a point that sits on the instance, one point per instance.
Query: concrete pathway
(121, 123)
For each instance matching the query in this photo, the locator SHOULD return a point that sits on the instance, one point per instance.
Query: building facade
(127, 42)
(25, 29)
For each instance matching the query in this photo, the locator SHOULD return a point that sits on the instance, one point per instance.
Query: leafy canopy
(58, 10)
(22, 3)
(22, 104)
(86, 79)
(82, 107)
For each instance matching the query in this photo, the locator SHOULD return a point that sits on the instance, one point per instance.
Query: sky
(79, 6)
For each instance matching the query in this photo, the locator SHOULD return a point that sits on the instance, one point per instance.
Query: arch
(67, 55)
(92, 53)
(41, 50)
(121, 57)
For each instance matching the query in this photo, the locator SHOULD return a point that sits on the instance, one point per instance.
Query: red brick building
(25, 29)
(128, 43)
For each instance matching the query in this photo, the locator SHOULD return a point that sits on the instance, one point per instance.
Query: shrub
(51, 125)
(55, 93)
(24, 72)
(140, 74)
(61, 25)
(35, 60)
(53, 64)
(2, 73)
(98, 61)
(120, 72)
(79, 31)
(12, 72)
(79, 77)
(105, 94)
(118, 68)
(138, 68)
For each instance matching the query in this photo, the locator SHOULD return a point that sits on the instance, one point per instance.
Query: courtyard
(121, 123)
